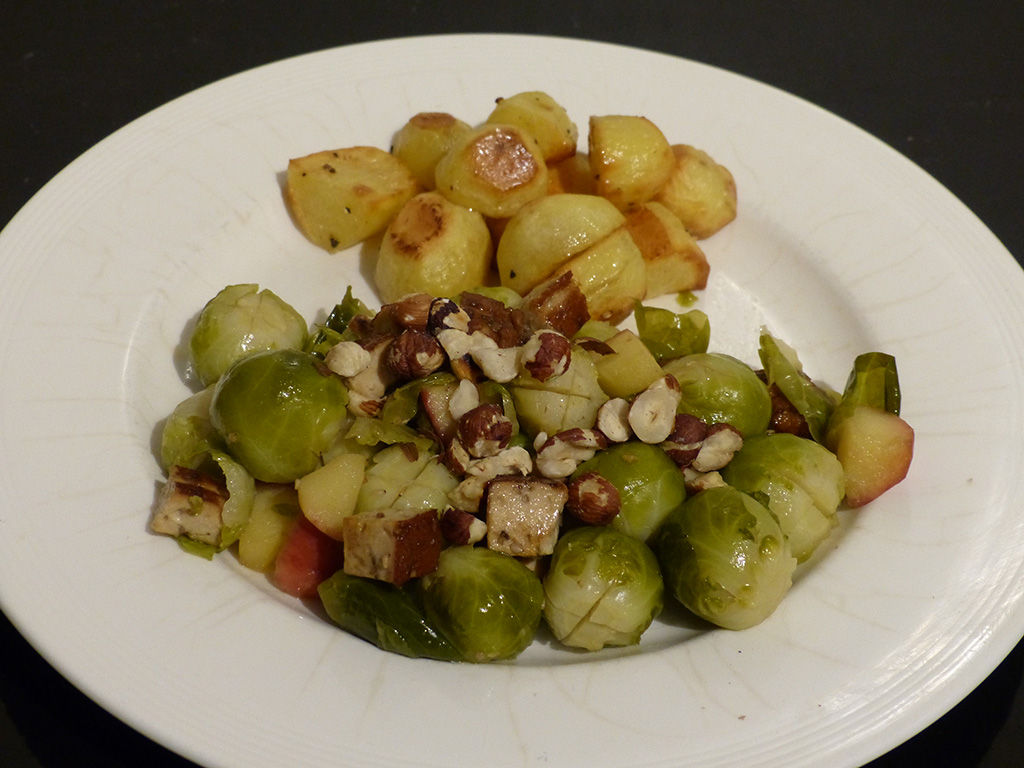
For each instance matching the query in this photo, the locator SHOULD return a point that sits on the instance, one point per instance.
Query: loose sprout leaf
(370, 431)
(783, 369)
(874, 381)
(343, 313)
(669, 334)
(241, 492)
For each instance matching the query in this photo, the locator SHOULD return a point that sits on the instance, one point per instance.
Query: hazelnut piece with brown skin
(593, 499)
(414, 354)
(484, 430)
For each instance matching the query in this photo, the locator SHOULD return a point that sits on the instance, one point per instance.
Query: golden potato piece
(542, 117)
(571, 175)
(547, 232)
(611, 275)
(630, 158)
(432, 246)
(494, 169)
(674, 260)
(424, 140)
(340, 197)
(699, 191)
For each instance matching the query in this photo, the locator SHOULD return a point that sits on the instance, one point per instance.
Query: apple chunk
(328, 494)
(875, 448)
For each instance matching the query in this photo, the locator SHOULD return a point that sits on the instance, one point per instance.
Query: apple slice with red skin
(875, 448)
(307, 557)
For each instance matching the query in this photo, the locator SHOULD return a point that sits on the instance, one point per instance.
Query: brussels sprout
(650, 485)
(801, 482)
(720, 388)
(488, 605)
(390, 617)
(725, 558)
(188, 436)
(277, 412)
(783, 369)
(561, 402)
(239, 321)
(602, 588)
(670, 335)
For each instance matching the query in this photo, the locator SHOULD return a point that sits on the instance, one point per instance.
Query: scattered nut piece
(411, 311)
(546, 354)
(445, 313)
(485, 430)
(683, 443)
(414, 354)
(465, 399)
(653, 412)
(700, 481)
(561, 453)
(499, 364)
(557, 303)
(719, 446)
(593, 499)
(347, 358)
(511, 461)
(461, 527)
(613, 420)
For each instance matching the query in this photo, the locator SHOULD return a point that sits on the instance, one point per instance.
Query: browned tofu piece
(392, 545)
(190, 504)
(523, 514)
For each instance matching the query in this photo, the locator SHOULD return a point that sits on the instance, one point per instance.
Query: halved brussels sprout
(650, 485)
(188, 436)
(238, 321)
(488, 605)
(390, 617)
(277, 412)
(801, 482)
(602, 588)
(724, 557)
(719, 388)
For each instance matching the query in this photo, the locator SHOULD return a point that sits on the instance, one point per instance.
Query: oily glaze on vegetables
(595, 439)
(489, 454)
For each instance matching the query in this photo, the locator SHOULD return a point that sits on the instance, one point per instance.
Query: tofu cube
(392, 545)
(524, 514)
(190, 504)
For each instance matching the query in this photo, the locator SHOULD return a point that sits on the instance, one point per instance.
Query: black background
(941, 82)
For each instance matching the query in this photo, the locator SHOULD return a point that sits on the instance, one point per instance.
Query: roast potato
(541, 117)
(547, 232)
(630, 158)
(611, 275)
(571, 175)
(699, 191)
(432, 246)
(425, 139)
(495, 169)
(673, 258)
(340, 197)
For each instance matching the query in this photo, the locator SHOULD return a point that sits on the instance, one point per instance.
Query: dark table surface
(943, 83)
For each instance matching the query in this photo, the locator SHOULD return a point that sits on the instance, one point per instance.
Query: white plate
(841, 245)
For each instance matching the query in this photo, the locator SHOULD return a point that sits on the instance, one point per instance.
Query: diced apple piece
(630, 369)
(327, 495)
(307, 557)
(875, 448)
